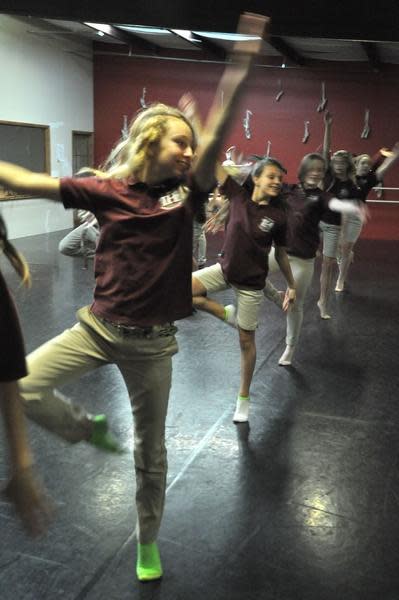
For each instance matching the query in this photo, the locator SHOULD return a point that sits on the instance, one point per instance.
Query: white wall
(46, 79)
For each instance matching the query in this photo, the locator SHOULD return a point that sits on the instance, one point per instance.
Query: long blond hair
(133, 155)
(16, 258)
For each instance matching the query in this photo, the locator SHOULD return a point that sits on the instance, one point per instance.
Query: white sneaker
(241, 412)
(231, 318)
(286, 358)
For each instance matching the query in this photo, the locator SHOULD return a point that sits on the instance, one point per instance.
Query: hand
(364, 213)
(251, 24)
(289, 299)
(188, 105)
(30, 501)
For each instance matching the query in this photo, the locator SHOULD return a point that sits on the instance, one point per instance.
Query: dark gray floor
(303, 505)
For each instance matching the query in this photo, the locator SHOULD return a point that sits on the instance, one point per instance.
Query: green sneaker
(148, 565)
(102, 438)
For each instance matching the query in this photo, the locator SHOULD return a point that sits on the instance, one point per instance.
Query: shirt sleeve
(279, 233)
(83, 193)
(231, 189)
(197, 199)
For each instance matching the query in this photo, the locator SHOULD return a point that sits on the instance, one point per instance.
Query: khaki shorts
(331, 235)
(248, 301)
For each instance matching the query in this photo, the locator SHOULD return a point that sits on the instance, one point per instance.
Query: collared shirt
(143, 257)
(251, 229)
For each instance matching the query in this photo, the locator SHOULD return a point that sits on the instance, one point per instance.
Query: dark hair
(264, 162)
(304, 165)
(15, 258)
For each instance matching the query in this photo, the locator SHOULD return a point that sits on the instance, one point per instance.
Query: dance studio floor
(301, 505)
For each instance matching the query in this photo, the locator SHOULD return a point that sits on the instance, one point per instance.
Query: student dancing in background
(254, 222)
(369, 174)
(306, 204)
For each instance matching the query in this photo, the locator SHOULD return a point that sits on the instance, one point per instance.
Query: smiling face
(340, 167)
(314, 173)
(363, 166)
(268, 184)
(175, 151)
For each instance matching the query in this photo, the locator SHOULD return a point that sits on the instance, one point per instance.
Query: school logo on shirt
(312, 198)
(343, 193)
(266, 224)
(173, 199)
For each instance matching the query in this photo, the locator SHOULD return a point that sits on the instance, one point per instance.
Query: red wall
(119, 80)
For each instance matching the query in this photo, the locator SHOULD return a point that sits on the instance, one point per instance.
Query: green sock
(243, 397)
(101, 437)
(148, 565)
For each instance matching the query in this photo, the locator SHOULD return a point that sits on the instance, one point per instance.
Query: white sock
(286, 357)
(323, 311)
(242, 410)
(230, 315)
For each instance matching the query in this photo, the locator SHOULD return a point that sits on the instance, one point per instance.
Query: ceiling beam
(372, 54)
(215, 50)
(130, 39)
(286, 50)
(201, 43)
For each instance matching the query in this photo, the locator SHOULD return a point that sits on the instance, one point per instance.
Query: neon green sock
(242, 397)
(148, 565)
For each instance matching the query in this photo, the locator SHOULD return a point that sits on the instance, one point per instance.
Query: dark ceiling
(366, 21)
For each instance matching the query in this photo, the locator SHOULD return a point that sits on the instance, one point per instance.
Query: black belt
(151, 332)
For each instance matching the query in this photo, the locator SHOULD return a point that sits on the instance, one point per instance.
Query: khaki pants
(146, 367)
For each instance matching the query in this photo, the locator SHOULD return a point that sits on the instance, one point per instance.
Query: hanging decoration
(229, 156)
(280, 91)
(246, 123)
(125, 129)
(143, 102)
(366, 127)
(306, 133)
(323, 100)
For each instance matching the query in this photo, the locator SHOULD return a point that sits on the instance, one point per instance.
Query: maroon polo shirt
(143, 258)
(365, 183)
(305, 208)
(343, 190)
(251, 229)
(12, 350)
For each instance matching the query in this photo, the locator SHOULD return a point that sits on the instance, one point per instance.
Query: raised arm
(232, 83)
(388, 162)
(327, 136)
(22, 180)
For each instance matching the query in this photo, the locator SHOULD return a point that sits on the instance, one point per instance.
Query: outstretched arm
(24, 181)
(349, 207)
(388, 162)
(232, 83)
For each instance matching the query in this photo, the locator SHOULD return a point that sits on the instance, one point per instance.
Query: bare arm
(24, 181)
(349, 207)
(232, 83)
(388, 162)
(285, 267)
(327, 137)
(23, 488)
